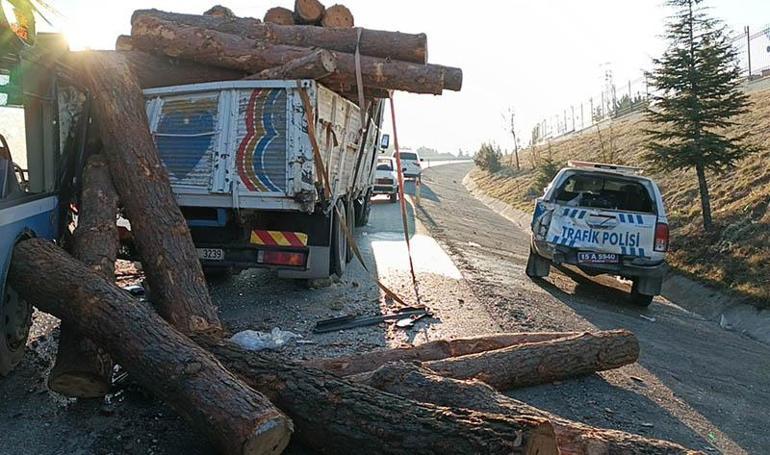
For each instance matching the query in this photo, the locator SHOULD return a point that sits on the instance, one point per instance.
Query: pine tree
(697, 95)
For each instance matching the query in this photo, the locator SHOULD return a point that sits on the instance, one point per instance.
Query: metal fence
(616, 99)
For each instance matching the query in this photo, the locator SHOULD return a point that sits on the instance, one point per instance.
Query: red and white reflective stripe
(278, 238)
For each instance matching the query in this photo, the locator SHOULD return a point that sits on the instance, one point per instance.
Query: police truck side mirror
(385, 141)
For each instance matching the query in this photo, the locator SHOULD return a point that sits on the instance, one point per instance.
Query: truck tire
(637, 298)
(393, 198)
(537, 266)
(363, 208)
(339, 245)
(15, 322)
(350, 217)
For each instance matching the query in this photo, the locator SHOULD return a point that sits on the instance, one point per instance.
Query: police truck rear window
(605, 192)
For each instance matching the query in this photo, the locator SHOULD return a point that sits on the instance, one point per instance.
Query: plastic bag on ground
(253, 340)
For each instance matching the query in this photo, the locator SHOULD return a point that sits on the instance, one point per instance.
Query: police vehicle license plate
(585, 257)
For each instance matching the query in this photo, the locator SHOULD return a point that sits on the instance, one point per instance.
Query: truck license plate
(211, 254)
(597, 258)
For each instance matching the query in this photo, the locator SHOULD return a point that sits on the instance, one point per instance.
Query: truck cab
(31, 169)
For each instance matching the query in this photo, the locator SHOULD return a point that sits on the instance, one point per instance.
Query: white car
(604, 219)
(386, 178)
(410, 164)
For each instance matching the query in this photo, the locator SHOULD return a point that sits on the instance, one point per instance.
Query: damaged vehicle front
(604, 219)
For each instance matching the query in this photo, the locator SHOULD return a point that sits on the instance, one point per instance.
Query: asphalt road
(694, 384)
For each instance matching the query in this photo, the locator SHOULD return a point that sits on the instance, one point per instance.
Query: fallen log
(161, 359)
(433, 350)
(279, 16)
(338, 16)
(160, 231)
(543, 362)
(210, 47)
(573, 438)
(316, 65)
(82, 368)
(405, 47)
(334, 415)
(308, 12)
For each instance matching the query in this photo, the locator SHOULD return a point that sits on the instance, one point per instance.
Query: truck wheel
(15, 321)
(537, 266)
(393, 197)
(350, 215)
(637, 298)
(363, 208)
(339, 244)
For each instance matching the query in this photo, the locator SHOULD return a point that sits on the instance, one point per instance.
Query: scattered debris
(254, 340)
(647, 318)
(354, 321)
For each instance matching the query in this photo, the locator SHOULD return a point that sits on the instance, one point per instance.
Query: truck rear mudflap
(282, 250)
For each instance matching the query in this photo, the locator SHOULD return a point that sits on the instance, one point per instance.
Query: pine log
(160, 231)
(433, 350)
(159, 71)
(338, 16)
(308, 12)
(334, 415)
(82, 368)
(161, 359)
(220, 11)
(124, 43)
(210, 47)
(543, 362)
(316, 65)
(405, 47)
(574, 438)
(279, 16)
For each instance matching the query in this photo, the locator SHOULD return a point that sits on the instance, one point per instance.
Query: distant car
(604, 219)
(410, 164)
(386, 178)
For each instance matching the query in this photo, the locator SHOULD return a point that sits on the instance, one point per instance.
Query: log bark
(334, 415)
(215, 402)
(160, 231)
(83, 369)
(433, 350)
(220, 11)
(210, 47)
(279, 16)
(543, 362)
(405, 47)
(159, 71)
(573, 438)
(338, 16)
(308, 12)
(124, 43)
(316, 65)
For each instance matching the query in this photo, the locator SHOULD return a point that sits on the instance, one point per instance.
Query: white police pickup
(604, 219)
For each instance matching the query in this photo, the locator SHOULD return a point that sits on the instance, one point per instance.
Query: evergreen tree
(696, 96)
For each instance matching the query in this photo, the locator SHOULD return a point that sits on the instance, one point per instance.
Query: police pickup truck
(604, 219)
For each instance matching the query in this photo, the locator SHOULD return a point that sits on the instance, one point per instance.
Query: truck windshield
(605, 192)
(385, 167)
(409, 156)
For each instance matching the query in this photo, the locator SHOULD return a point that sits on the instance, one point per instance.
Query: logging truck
(250, 181)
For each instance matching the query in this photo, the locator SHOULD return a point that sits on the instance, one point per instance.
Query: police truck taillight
(661, 237)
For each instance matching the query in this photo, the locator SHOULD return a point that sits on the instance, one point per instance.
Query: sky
(535, 57)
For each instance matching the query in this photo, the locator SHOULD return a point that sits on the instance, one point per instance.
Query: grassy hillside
(736, 255)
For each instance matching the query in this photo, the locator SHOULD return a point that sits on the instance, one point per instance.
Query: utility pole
(515, 141)
(748, 47)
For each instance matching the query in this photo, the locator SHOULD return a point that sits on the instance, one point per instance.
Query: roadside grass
(736, 256)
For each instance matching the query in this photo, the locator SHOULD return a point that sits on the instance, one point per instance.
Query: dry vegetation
(736, 256)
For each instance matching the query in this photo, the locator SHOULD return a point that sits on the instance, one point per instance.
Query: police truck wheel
(363, 208)
(15, 321)
(537, 266)
(637, 298)
(339, 245)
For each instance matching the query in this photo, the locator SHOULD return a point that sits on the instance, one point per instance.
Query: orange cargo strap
(321, 170)
(402, 200)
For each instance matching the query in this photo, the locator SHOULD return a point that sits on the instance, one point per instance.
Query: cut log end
(124, 43)
(220, 11)
(271, 438)
(309, 12)
(542, 441)
(279, 16)
(338, 16)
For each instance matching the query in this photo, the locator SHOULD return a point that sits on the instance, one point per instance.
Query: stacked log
(308, 12)
(338, 16)
(279, 16)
